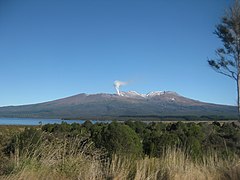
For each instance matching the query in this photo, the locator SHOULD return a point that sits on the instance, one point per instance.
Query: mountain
(126, 104)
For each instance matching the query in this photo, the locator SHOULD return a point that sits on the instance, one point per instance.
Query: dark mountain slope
(112, 105)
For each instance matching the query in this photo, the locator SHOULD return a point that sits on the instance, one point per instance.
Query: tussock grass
(76, 158)
(59, 159)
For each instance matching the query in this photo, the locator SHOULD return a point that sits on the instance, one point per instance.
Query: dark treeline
(160, 118)
(182, 118)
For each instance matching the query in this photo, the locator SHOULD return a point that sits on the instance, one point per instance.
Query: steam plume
(117, 85)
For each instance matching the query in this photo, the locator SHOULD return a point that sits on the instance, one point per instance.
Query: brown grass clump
(175, 164)
(67, 159)
(61, 159)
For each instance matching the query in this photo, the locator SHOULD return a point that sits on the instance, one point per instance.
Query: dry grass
(68, 159)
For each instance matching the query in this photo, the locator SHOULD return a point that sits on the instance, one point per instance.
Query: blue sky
(51, 49)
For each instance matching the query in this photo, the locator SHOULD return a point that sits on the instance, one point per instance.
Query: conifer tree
(227, 61)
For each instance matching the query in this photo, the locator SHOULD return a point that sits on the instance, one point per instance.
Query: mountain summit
(148, 95)
(127, 104)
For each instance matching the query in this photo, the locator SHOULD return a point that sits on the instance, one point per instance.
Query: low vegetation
(130, 150)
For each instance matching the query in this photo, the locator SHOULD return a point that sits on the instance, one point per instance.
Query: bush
(118, 138)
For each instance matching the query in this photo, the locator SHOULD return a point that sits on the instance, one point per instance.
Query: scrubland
(131, 150)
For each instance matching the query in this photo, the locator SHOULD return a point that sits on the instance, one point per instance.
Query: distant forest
(160, 118)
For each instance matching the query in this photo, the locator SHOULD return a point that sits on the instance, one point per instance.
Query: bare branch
(221, 67)
(233, 76)
(232, 72)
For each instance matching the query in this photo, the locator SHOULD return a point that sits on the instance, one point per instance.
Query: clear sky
(51, 49)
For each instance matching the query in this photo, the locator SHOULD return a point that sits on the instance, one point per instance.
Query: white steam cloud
(117, 84)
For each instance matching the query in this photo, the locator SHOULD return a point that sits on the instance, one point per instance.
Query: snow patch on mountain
(155, 93)
(135, 94)
(131, 94)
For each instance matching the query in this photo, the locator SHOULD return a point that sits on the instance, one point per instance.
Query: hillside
(130, 103)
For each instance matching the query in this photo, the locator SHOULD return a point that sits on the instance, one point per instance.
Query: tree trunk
(238, 95)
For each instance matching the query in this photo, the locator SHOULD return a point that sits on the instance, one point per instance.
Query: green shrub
(118, 138)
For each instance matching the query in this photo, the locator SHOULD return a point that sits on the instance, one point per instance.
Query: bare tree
(227, 61)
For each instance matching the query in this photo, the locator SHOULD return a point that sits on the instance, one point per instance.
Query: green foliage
(138, 126)
(118, 138)
(196, 139)
(28, 139)
(130, 140)
(87, 124)
(137, 138)
(228, 32)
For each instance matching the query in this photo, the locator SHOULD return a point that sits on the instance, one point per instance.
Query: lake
(33, 121)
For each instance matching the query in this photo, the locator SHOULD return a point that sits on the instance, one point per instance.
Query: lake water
(32, 121)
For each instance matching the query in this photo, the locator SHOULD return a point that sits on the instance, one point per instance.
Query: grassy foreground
(65, 153)
(65, 160)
